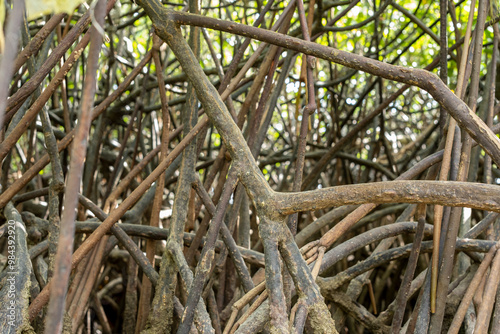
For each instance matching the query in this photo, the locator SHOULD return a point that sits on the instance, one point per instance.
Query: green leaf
(36, 8)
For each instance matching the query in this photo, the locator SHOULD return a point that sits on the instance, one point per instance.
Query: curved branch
(249, 172)
(449, 193)
(415, 77)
